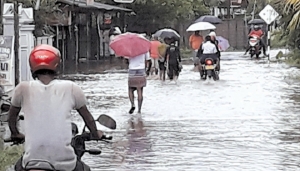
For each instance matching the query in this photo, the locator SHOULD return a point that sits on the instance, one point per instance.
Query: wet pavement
(249, 120)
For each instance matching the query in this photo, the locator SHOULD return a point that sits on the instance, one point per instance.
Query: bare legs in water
(131, 98)
(162, 75)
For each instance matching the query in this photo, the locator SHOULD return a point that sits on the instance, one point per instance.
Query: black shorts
(161, 65)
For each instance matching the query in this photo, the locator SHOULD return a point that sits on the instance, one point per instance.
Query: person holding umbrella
(135, 48)
(214, 40)
(154, 54)
(173, 60)
(260, 33)
(161, 60)
(137, 78)
(195, 41)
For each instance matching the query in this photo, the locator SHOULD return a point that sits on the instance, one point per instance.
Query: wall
(234, 31)
(26, 39)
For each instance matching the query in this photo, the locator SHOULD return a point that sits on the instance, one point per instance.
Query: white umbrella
(201, 26)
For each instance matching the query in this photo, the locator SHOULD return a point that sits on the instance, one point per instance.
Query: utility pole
(1, 14)
(16, 47)
(254, 8)
(264, 3)
(229, 9)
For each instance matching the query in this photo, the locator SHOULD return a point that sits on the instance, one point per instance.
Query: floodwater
(248, 120)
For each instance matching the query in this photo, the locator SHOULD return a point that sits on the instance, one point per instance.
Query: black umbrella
(167, 33)
(210, 19)
(257, 21)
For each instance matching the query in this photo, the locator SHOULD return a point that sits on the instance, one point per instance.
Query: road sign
(268, 14)
(124, 1)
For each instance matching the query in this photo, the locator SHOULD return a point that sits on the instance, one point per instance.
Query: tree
(151, 15)
(161, 13)
(48, 9)
(293, 7)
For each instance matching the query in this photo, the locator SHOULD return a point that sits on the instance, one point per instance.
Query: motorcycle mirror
(21, 117)
(93, 152)
(107, 121)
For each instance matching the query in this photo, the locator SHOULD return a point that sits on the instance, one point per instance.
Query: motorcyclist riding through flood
(257, 32)
(47, 103)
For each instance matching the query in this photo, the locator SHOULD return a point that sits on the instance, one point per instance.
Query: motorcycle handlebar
(86, 136)
(14, 141)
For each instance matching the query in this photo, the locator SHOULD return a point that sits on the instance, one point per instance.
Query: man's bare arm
(12, 119)
(88, 120)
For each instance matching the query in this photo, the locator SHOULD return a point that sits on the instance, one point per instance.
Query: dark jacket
(174, 54)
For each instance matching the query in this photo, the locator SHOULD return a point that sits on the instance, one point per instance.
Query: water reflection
(139, 150)
(249, 120)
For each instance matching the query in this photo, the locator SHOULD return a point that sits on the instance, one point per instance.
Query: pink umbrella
(130, 45)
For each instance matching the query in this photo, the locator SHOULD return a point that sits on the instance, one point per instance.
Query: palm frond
(295, 21)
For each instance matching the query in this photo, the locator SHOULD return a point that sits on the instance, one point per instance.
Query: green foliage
(279, 40)
(293, 57)
(290, 33)
(178, 9)
(185, 53)
(48, 8)
(154, 14)
(9, 156)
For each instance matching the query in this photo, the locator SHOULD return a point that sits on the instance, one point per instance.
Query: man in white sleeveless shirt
(47, 104)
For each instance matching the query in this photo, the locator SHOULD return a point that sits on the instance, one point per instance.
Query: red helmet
(44, 57)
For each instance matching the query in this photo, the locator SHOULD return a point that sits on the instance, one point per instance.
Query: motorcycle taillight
(208, 62)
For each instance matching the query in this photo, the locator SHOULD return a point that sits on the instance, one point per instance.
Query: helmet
(256, 27)
(212, 34)
(44, 57)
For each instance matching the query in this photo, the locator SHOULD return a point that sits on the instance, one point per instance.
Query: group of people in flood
(47, 101)
(164, 58)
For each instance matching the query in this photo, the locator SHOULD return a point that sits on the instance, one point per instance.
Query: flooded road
(249, 120)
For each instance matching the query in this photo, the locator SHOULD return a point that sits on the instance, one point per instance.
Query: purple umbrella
(223, 43)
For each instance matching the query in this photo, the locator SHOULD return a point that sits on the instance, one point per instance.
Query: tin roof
(96, 5)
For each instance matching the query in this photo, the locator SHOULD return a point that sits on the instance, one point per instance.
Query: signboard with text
(6, 61)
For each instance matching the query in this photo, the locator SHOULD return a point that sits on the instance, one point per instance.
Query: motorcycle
(255, 47)
(78, 142)
(209, 69)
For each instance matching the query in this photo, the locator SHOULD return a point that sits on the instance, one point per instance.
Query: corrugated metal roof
(96, 5)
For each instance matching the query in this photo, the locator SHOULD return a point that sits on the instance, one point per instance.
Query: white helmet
(212, 34)
(256, 26)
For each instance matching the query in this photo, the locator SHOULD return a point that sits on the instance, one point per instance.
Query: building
(81, 30)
